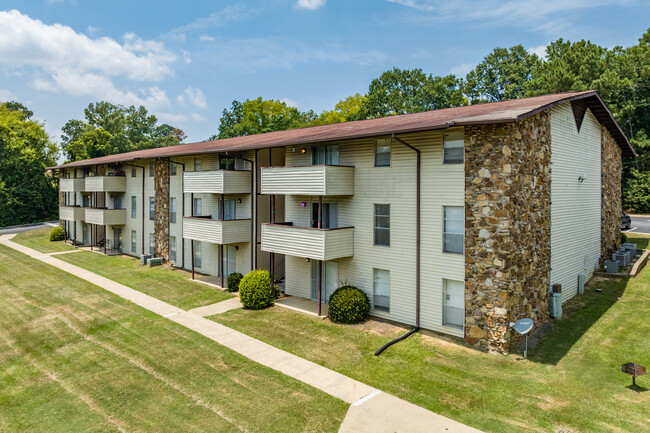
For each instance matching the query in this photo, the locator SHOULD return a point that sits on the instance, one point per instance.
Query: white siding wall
(575, 206)
(442, 185)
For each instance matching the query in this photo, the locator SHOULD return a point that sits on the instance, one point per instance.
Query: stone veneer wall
(612, 170)
(161, 209)
(507, 228)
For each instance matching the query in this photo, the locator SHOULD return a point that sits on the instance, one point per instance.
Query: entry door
(330, 215)
(86, 233)
(230, 209)
(228, 260)
(330, 279)
(117, 239)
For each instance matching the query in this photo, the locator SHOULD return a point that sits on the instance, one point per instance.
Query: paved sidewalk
(218, 308)
(371, 410)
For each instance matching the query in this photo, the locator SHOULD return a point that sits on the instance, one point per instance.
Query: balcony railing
(105, 217)
(217, 182)
(105, 184)
(72, 213)
(310, 180)
(221, 232)
(312, 243)
(71, 185)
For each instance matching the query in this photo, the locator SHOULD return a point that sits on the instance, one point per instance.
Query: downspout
(320, 262)
(143, 176)
(418, 190)
(182, 211)
(253, 206)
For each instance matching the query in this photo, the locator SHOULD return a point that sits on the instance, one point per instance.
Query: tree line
(621, 75)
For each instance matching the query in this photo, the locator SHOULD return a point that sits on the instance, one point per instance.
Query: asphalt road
(640, 224)
(27, 227)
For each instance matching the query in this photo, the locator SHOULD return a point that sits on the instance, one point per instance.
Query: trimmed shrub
(255, 290)
(233, 281)
(623, 238)
(348, 305)
(57, 234)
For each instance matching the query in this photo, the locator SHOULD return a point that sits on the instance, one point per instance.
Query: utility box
(144, 258)
(631, 246)
(612, 266)
(556, 305)
(581, 284)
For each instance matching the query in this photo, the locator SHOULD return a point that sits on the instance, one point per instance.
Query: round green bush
(233, 281)
(57, 234)
(255, 290)
(348, 305)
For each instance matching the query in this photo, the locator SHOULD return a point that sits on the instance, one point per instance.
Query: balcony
(311, 243)
(217, 182)
(105, 184)
(71, 185)
(72, 213)
(310, 180)
(105, 217)
(221, 232)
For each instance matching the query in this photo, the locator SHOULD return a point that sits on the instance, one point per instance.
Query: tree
(345, 110)
(108, 129)
(27, 193)
(502, 75)
(259, 115)
(401, 91)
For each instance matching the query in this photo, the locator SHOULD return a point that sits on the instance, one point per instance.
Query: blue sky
(186, 61)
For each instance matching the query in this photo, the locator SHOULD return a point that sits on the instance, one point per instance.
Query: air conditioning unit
(612, 266)
(144, 258)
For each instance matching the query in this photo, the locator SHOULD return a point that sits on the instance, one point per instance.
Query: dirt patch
(381, 328)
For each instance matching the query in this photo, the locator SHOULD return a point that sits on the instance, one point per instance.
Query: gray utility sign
(523, 327)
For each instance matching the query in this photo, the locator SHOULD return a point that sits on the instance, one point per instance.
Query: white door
(330, 279)
(454, 304)
(228, 260)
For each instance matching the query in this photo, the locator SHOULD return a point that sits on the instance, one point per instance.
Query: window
(134, 241)
(382, 224)
(327, 154)
(117, 202)
(381, 290)
(382, 152)
(134, 207)
(329, 215)
(453, 149)
(226, 163)
(134, 171)
(453, 229)
(172, 210)
(172, 248)
(198, 207)
(453, 304)
(230, 209)
(152, 207)
(197, 254)
(198, 166)
(152, 169)
(172, 169)
(329, 279)
(151, 243)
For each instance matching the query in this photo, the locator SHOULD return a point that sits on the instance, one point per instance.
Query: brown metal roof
(496, 112)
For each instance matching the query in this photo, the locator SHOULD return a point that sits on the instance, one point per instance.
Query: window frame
(152, 208)
(134, 171)
(444, 306)
(198, 159)
(374, 291)
(197, 200)
(376, 227)
(134, 241)
(173, 169)
(445, 148)
(445, 232)
(134, 207)
(152, 169)
(172, 249)
(198, 254)
(172, 209)
(390, 151)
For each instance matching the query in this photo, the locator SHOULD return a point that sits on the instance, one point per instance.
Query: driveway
(640, 224)
(27, 227)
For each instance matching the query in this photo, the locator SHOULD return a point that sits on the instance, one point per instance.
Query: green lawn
(74, 358)
(39, 240)
(640, 240)
(167, 284)
(572, 381)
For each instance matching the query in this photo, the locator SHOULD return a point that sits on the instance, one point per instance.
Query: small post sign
(523, 327)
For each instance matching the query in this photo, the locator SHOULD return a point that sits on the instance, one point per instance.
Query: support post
(221, 262)
(320, 286)
(272, 219)
(192, 258)
(104, 237)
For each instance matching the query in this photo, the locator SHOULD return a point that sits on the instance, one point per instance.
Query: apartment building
(456, 220)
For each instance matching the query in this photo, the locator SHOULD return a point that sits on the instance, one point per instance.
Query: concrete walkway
(218, 308)
(371, 410)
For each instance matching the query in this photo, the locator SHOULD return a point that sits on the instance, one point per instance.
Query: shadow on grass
(578, 315)
(637, 388)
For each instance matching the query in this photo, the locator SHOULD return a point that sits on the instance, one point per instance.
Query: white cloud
(541, 15)
(6, 95)
(310, 4)
(461, 70)
(215, 19)
(539, 50)
(205, 38)
(196, 97)
(198, 118)
(179, 118)
(289, 102)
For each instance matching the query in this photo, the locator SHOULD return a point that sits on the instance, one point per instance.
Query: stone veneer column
(612, 170)
(161, 209)
(507, 228)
